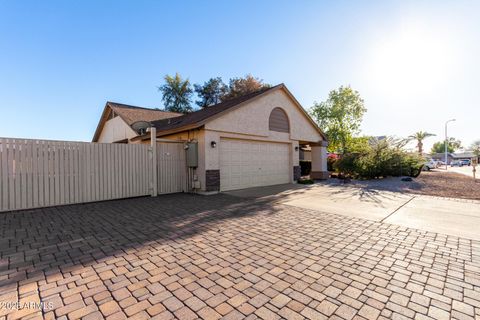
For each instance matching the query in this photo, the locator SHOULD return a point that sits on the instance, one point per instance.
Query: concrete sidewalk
(456, 217)
(448, 216)
(465, 170)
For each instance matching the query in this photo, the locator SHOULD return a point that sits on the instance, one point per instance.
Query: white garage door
(245, 164)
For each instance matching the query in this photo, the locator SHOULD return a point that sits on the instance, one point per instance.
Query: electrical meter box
(192, 154)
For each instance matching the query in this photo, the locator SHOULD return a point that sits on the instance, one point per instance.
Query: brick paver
(187, 257)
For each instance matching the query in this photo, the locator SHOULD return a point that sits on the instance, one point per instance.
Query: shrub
(331, 163)
(346, 164)
(305, 181)
(379, 159)
(305, 167)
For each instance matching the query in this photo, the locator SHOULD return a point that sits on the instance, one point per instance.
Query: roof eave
(167, 132)
(101, 123)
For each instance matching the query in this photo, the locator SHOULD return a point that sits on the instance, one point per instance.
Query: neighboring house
(467, 155)
(441, 157)
(115, 125)
(253, 140)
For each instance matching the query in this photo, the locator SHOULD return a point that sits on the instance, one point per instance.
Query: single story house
(249, 141)
(467, 155)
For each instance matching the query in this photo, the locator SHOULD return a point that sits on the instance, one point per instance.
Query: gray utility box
(192, 154)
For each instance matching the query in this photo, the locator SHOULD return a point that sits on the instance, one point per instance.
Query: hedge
(379, 160)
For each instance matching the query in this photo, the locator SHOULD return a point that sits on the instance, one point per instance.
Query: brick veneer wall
(212, 180)
(297, 172)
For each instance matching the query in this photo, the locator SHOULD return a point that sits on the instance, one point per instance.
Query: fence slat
(17, 169)
(139, 175)
(118, 170)
(83, 172)
(111, 167)
(101, 173)
(132, 173)
(10, 174)
(106, 186)
(88, 175)
(46, 172)
(68, 174)
(57, 173)
(97, 173)
(22, 173)
(127, 171)
(4, 170)
(35, 163)
(29, 174)
(111, 170)
(62, 172)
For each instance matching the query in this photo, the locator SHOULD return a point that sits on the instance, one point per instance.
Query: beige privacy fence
(42, 173)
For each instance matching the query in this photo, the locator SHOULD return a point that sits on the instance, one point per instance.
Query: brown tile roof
(197, 117)
(170, 122)
(131, 114)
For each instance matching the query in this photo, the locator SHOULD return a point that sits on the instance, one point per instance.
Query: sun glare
(412, 60)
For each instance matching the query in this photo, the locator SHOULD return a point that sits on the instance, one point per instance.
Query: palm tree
(177, 94)
(420, 136)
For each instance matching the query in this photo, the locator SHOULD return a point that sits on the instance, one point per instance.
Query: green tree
(210, 92)
(340, 116)
(176, 94)
(358, 144)
(453, 145)
(476, 148)
(241, 86)
(420, 136)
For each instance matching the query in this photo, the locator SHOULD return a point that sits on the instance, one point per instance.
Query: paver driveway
(187, 257)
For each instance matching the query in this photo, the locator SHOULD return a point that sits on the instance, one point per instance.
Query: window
(278, 121)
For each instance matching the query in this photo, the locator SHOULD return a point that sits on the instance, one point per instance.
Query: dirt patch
(433, 183)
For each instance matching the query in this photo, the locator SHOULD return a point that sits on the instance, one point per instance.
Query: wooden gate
(171, 168)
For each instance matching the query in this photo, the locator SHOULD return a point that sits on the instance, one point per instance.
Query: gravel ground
(433, 183)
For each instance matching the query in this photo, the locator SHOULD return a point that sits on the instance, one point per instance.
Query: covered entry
(248, 163)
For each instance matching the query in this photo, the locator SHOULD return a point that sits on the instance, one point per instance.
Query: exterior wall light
(213, 144)
(296, 148)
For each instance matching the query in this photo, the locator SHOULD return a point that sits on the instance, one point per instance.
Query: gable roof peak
(131, 114)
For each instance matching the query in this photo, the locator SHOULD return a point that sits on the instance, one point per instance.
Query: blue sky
(415, 63)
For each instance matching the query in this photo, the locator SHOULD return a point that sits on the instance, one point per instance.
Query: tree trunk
(420, 147)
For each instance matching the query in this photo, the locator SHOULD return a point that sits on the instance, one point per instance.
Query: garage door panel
(245, 163)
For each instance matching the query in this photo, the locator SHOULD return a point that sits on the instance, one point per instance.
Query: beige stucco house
(249, 141)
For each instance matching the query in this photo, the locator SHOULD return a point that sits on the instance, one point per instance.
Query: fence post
(153, 149)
